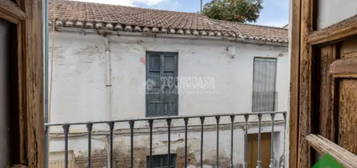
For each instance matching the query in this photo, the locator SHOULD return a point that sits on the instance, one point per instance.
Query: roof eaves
(162, 30)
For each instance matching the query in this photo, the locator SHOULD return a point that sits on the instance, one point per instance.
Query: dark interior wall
(4, 93)
(8, 94)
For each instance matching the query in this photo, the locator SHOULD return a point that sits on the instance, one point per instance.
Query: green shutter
(161, 90)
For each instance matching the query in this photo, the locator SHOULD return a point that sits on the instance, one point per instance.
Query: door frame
(27, 16)
(304, 37)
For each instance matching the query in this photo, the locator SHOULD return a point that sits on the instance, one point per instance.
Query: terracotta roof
(67, 13)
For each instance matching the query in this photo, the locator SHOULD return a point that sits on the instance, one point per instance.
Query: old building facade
(106, 64)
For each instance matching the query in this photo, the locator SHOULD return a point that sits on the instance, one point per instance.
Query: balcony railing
(199, 125)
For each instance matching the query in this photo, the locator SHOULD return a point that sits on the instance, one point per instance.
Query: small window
(161, 161)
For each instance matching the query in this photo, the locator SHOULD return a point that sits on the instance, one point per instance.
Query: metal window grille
(161, 161)
(264, 80)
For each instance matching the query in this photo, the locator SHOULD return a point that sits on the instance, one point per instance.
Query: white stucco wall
(78, 86)
(78, 81)
(334, 11)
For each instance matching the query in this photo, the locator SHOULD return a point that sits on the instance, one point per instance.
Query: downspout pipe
(108, 86)
(108, 78)
(45, 75)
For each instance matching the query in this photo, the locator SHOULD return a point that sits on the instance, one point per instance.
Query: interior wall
(4, 94)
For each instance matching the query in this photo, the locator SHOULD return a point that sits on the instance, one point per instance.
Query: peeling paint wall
(79, 92)
(78, 81)
(100, 144)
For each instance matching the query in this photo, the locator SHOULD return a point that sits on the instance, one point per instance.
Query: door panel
(253, 149)
(348, 115)
(4, 94)
(348, 48)
(347, 100)
(326, 93)
(337, 82)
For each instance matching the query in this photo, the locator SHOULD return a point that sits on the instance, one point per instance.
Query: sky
(274, 13)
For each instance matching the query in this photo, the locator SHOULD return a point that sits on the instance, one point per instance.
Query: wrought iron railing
(244, 120)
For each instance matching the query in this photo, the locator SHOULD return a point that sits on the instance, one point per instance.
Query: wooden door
(324, 84)
(21, 84)
(337, 111)
(253, 150)
(344, 73)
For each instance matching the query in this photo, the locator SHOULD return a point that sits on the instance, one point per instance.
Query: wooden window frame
(304, 37)
(26, 15)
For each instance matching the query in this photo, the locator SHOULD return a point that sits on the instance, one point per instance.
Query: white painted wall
(79, 93)
(78, 81)
(334, 11)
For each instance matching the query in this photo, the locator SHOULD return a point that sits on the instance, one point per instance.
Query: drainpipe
(45, 75)
(108, 86)
(108, 78)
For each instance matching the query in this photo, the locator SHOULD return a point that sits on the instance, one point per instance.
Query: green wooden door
(161, 84)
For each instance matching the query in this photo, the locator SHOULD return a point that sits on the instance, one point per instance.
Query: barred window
(161, 161)
(264, 79)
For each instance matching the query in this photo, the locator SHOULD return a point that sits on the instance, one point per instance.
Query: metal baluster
(259, 161)
(272, 160)
(151, 122)
(131, 124)
(202, 119)
(65, 131)
(89, 129)
(111, 127)
(232, 127)
(186, 123)
(217, 145)
(169, 141)
(46, 146)
(245, 164)
(283, 163)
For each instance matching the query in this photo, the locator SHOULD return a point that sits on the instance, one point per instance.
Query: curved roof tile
(122, 16)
